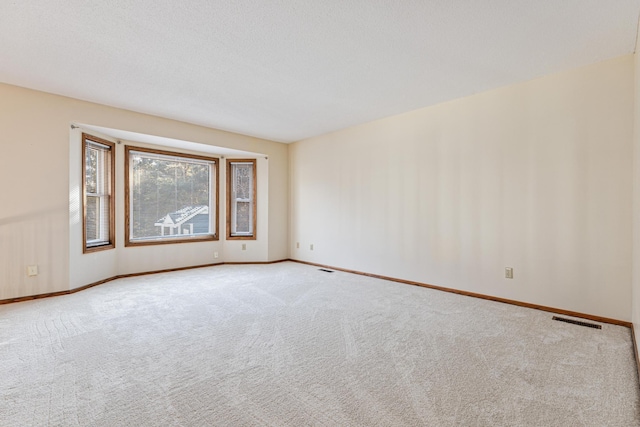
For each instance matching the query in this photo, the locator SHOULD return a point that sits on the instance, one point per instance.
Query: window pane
(91, 172)
(92, 227)
(169, 196)
(243, 177)
(243, 217)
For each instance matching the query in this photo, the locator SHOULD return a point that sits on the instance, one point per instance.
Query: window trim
(170, 240)
(111, 244)
(255, 200)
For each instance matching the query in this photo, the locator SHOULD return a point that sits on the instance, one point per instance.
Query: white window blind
(97, 197)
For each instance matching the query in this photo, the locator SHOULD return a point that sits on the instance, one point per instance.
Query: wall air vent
(577, 322)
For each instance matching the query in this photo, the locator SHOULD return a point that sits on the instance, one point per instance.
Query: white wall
(535, 176)
(35, 211)
(94, 266)
(255, 250)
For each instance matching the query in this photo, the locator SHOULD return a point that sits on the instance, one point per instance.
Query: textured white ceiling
(287, 70)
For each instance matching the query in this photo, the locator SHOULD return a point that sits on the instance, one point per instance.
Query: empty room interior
(336, 213)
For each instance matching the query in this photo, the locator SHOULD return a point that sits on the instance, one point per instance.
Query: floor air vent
(577, 322)
(325, 270)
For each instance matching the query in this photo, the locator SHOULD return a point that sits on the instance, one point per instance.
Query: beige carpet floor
(288, 345)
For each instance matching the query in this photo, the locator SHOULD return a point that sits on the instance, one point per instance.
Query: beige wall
(37, 206)
(635, 293)
(535, 176)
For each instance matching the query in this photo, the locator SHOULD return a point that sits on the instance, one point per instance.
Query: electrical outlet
(244, 246)
(32, 270)
(508, 272)
(311, 246)
(297, 245)
(215, 254)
